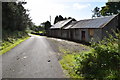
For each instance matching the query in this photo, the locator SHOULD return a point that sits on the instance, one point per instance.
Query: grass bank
(6, 45)
(10, 39)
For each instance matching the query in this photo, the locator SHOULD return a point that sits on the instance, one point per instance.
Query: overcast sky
(41, 10)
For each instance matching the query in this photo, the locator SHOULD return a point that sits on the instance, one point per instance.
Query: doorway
(83, 35)
(71, 34)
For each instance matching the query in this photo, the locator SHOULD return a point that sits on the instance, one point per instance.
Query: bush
(102, 62)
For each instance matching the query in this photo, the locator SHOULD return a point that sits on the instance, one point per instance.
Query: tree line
(14, 16)
(15, 20)
(60, 18)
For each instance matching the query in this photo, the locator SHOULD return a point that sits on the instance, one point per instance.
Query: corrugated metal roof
(70, 25)
(60, 24)
(93, 23)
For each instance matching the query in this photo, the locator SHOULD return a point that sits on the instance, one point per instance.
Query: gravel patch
(60, 45)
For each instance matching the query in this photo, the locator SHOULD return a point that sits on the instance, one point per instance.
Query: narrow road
(33, 58)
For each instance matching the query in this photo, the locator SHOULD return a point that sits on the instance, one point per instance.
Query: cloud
(40, 10)
(80, 6)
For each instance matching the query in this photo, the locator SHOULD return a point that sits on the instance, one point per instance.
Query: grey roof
(60, 24)
(70, 25)
(93, 23)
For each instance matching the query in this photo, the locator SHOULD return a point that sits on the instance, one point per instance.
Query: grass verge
(68, 64)
(12, 45)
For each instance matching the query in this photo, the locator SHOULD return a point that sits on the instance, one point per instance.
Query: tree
(14, 16)
(58, 18)
(96, 12)
(65, 18)
(110, 8)
(46, 25)
(72, 18)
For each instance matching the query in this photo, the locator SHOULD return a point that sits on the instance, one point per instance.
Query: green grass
(8, 46)
(41, 32)
(68, 63)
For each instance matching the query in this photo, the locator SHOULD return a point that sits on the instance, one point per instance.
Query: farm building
(85, 30)
(56, 30)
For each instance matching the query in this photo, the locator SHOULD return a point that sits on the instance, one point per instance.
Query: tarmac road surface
(33, 58)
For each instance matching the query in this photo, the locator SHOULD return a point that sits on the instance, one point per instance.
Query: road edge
(13, 45)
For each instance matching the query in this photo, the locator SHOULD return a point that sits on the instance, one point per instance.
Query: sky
(41, 10)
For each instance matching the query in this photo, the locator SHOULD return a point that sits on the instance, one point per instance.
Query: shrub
(102, 62)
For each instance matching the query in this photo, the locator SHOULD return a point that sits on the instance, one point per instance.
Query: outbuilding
(96, 29)
(85, 30)
(56, 29)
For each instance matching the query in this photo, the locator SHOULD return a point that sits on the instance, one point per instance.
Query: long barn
(85, 30)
